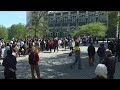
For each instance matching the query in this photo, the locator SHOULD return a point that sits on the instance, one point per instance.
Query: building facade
(61, 23)
(28, 16)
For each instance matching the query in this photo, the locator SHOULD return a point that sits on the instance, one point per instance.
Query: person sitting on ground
(101, 72)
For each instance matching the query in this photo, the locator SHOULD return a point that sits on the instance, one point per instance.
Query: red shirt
(36, 58)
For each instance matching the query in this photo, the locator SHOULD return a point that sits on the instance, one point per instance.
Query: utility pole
(117, 31)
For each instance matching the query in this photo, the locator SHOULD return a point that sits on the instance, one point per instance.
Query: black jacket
(111, 46)
(118, 49)
(110, 62)
(9, 62)
(91, 50)
(101, 51)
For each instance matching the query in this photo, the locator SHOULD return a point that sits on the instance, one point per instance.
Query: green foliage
(112, 23)
(38, 23)
(3, 32)
(17, 31)
(93, 29)
(113, 18)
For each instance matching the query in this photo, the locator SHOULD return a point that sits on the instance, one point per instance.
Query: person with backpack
(101, 53)
(33, 61)
(91, 54)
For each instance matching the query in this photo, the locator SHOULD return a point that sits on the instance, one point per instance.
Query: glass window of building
(83, 18)
(51, 34)
(56, 34)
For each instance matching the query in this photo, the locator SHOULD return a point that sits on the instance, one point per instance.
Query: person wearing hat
(110, 62)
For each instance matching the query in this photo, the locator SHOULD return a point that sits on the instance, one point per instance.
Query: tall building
(61, 23)
(28, 16)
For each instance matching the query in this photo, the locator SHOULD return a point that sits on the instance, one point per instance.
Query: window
(57, 34)
(83, 18)
(65, 34)
(89, 18)
(51, 34)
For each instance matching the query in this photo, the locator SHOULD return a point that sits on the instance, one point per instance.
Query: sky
(8, 18)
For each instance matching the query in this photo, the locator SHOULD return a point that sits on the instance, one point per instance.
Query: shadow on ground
(57, 68)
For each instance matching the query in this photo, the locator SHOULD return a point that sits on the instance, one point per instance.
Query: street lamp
(117, 31)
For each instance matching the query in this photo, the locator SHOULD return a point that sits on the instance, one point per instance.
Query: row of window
(75, 12)
(75, 19)
(57, 34)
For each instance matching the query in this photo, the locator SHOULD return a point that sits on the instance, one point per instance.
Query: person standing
(9, 62)
(7, 47)
(91, 54)
(101, 72)
(66, 43)
(110, 62)
(51, 43)
(33, 61)
(22, 47)
(111, 46)
(118, 50)
(77, 56)
(71, 45)
(101, 53)
(47, 45)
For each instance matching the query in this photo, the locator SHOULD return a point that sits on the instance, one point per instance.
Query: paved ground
(57, 66)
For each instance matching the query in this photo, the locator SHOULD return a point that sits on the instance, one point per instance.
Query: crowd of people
(89, 39)
(23, 46)
(9, 51)
(108, 56)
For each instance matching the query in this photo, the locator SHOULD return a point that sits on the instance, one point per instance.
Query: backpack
(101, 51)
(31, 58)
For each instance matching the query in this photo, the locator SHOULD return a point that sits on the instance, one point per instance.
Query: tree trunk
(35, 34)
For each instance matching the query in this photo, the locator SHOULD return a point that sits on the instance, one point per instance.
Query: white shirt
(59, 42)
(11, 42)
(21, 43)
(2, 54)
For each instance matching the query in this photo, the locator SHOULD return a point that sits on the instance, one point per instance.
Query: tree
(94, 29)
(17, 31)
(3, 32)
(113, 19)
(38, 22)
